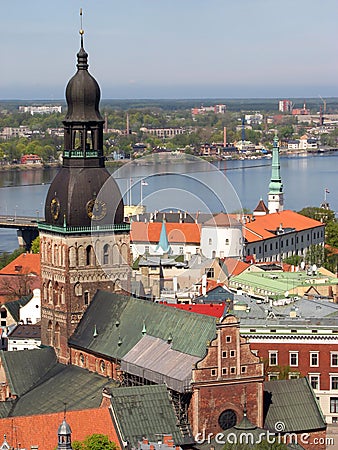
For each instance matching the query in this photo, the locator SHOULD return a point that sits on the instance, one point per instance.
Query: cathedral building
(85, 242)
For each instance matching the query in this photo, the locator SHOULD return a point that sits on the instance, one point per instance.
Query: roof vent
(119, 341)
(95, 334)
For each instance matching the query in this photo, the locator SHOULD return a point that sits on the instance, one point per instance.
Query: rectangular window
(228, 339)
(334, 382)
(273, 376)
(293, 376)
(233, 370)
(314, 359)
(314, 381)
(180, 250)
(333, 404)
(293, 359)
(146, 249)
(273, 358)
(232, 353)
(213, 372)
(224, 371)
(334, 359)
(210, 272)
(224, 354)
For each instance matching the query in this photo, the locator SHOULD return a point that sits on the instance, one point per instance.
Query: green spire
(163, 244)
(276, 185)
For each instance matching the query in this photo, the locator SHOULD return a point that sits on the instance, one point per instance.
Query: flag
(327, 191)
(144, 183)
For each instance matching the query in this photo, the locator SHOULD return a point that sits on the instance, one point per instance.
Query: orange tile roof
(189, 233)
(262, 227)
(29, 262)
(235, 266)
(42, 430)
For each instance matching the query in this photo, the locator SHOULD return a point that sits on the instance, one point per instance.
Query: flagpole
(141, 192)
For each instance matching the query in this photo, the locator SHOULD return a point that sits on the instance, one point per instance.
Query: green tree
(35, 247)
(321, 214)
(331, 234)
(294, 260)
(98, 442)
(6, 258)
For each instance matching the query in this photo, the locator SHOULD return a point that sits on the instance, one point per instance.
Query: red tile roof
(207, 309)
(263, 226)
(42, 430)
(177, 232)
(25, 263)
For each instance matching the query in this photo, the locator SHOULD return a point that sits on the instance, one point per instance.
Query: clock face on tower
(96, 209)
(55, 208)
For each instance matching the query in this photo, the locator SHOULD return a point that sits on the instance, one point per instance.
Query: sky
(171, 49)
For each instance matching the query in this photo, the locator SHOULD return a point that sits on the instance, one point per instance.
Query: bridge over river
(27, 228)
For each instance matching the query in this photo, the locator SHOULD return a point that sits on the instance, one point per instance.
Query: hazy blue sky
(173, 48)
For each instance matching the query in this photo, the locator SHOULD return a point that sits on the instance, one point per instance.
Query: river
(186, 185)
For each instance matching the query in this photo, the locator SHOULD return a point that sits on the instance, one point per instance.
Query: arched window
(124, 254)
(62, 296)
(56, 294)
(81, 360)
(106, 254)
(116, 254)
(90, 259)
(57, 336)
(49, 333)
(86, 298)
(72, 256)
(78, 289)
(50, 292)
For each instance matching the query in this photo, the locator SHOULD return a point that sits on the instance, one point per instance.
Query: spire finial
(81, 28)
(64, 410)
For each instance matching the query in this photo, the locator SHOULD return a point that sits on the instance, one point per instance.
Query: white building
(221, 237)
(24, 337)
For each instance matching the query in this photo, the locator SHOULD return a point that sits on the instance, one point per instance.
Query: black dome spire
(83, 92)
(76, 196)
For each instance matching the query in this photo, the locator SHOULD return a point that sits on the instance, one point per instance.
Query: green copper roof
(25, 369)
(293, 403)
(119, 321)
(275, 186)
(144, 411)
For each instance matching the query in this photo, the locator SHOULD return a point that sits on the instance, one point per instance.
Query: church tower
(276, 195)
(84, 241)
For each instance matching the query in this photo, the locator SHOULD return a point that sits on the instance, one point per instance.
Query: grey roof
(25, 369)
(144, 411)
(218, 294)
(14, 307)
(293, 403)
(119, 321)
(77, 387)
(43, 385)
(154, 359)
(28, 331)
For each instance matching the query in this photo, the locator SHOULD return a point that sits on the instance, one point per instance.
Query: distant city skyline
(177, 49)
